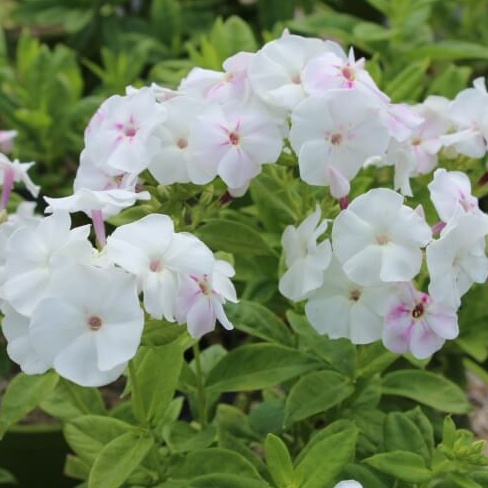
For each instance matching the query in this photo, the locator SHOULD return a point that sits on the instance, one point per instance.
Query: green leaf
(23, 394)
(7, 478)
(278, 461)
(213, 460)
(426, 388)
(160, 333)
(257, 366)
(405, 86)
(166, 21)
(182, 437)
(463, 481)
(259, 321)
(233, 237)
(118, 459)
(268, 416)
(424, 425)
(88, 435)
(401, 434)
(364, 475)
(225, 481)
(326, 459)
(314, 393)
(75, 467)
(374, 358)
(69, 400)
(404, 465)
(158, 375)
(450, 51)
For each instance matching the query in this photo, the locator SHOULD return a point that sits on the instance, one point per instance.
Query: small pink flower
(417, 324)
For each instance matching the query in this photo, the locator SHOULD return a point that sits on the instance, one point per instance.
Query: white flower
(342, 308)
(348, 484)
(34, 255)
(378, 239)
(233, 142)
(458, 259)
(334, 135)
(450, 190)
(20, 347)
(151, 250)
(200, 299)
(305, 258)
(89, 336)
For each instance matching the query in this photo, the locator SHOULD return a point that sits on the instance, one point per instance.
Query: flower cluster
(77, 308)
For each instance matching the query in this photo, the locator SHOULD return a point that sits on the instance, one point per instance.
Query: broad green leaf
(424, 425)
(259, 321)
(405, 86)
(232, 420)
(364, 475)
(450, 81)
(76, 468)
(450, 51)
(426, 388)
(233, 237)
(404, 465)
(401, 434)
(88, 435)
(69, 400)
(159, 333)
(118, 459)
(166, 20)
(157, 377)
(314, 393)
(213, 460)
(7, 478)
(463, 481)
(374, 358)
(24, 393)
(256, 366)
(336, 427)
(326, 459)
(182, 437)
(278, 461)
(268, 416)
(225, 481)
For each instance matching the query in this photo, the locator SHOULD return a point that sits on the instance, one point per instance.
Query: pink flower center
(348, 73)
(155, 265)
(418, 311)
(94, 322)
(382, 240)
(182, 143)
(336, 139)
(234, 138)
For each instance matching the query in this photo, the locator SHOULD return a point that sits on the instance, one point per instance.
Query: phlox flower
(151, 250)
(468, 116)
(171, 162)
(200, 299)
(418, 324)
(233, 142)
(333, 135)
(35, 254)
(305, 258)
(348, 484)
(276, 69)
(121, 133)
(90, 324)
(11, 172)
(342, 308)
(332, 70)
(378, 239)
(20, 347)
(450, 190)
(457, 259)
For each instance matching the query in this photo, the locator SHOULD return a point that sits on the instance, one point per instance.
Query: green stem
(202, 400)
(137, 402)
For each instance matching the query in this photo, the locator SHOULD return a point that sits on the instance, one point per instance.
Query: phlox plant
(285, 196)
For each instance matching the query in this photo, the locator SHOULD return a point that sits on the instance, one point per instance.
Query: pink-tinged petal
(188, 293)
(399, 263)
(365, 325)
(339, 186)
(364, 266)
(329, 315)
(443, 320)
(398, 327)
(201, 317)
(423, 341)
